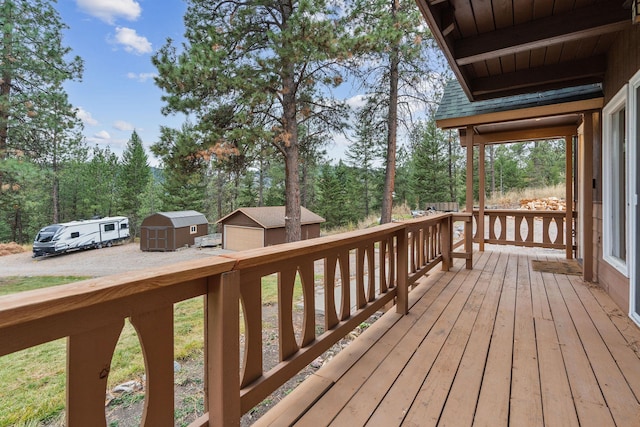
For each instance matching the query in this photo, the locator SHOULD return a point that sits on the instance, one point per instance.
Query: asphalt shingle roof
(455, 103)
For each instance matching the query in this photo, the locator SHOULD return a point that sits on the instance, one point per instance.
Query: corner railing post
(223, 350)
(446, 237)
(468, 241)
(402, 306)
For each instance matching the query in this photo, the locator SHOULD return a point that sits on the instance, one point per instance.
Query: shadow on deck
(498, 345)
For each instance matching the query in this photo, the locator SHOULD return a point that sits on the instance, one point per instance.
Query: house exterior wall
(275, 236)
(623, 61)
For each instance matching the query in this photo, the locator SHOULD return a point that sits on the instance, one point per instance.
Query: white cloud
(86, 117)
(357, 101)
(141, 77)
(109, 10)
(122, 125)
(102, 135)
(131, 41)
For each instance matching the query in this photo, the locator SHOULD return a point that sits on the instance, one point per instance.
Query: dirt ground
(124, 409)
(97, 262)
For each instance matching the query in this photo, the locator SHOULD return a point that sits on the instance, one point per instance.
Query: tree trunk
(492, 170)
(390, 172)
(289, 142)
(452, 192)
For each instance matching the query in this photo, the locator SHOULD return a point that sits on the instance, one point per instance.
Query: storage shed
(249, 228)
(168, 231)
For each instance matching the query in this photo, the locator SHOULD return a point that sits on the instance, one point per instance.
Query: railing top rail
(261, 256)
(36, 304)
(524, 212)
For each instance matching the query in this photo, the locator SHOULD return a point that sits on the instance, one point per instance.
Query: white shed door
(240, 238)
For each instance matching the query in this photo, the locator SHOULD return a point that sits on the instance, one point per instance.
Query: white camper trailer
(74, 235)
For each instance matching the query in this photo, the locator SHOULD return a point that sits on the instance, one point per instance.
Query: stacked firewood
(543, 204)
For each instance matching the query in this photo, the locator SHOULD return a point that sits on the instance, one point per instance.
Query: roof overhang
(517, 48)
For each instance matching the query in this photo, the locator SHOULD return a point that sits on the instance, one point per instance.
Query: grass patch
(34, 379)
(12, 285)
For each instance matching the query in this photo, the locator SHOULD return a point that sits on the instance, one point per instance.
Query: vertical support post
(587, 197)
(468, 226)
(402, 304)
(481, 195)
(223, 349)
(446, 239)
(569, 195)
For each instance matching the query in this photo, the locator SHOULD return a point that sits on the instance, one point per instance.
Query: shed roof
(455, 103)
(184, 218)
(273, 216)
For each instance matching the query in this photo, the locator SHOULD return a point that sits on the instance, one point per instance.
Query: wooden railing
(346, 278)
(544, 229)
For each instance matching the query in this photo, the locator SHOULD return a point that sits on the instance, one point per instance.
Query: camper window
(75, 234)
(109, 227)
(124, 225)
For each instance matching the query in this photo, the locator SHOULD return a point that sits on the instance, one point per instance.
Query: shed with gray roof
(168, 231)
(257, 227)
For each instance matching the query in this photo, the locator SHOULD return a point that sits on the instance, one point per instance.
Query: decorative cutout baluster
(89, 357)
(287, 338)
(155, 330)
(251, 297)
(309, 325)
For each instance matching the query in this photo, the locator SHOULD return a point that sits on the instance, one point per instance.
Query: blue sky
(116, 39)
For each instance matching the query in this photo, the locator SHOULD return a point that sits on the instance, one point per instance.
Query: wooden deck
(498, 345)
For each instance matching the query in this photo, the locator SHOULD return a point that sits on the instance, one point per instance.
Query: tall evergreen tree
(267, 59)
(362, 155)
(134, 176)
(398, 71)
(184, 166)
(430, 169)
(34, 64)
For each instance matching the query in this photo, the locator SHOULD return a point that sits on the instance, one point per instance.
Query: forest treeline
(258, 89)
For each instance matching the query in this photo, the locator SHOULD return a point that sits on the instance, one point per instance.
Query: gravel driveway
(98, 262)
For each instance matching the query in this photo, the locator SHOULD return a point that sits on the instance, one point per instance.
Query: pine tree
(133, 178)
(35, 117)
(185, 165)
(397, 69)
(263, 62)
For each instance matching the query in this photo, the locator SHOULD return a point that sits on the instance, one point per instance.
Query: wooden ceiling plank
(483, 11)
(597, 19)
(523, 13)
(563, 72)
(537, 57)
(503, 13)
(465, 20)
(542, 8)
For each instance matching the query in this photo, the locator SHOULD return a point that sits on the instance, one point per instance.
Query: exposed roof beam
(524, 135)
(590, 70)
(593, 20)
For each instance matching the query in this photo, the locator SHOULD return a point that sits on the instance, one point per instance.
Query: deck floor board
(499, 345)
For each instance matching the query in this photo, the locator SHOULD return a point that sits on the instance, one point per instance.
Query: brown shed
(168, 231)
(248, 228)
